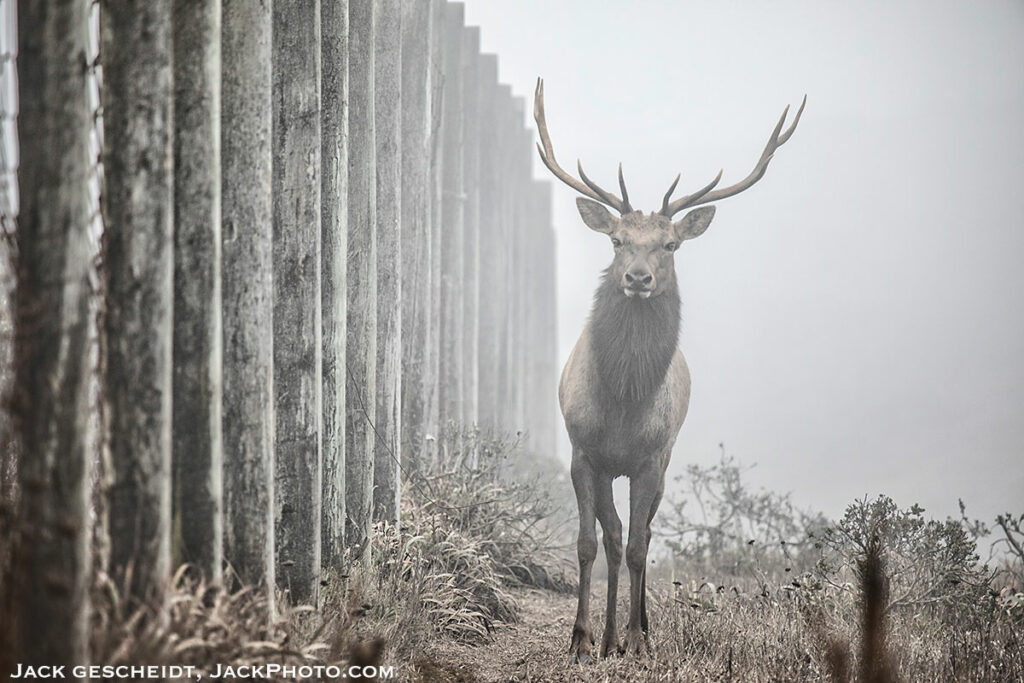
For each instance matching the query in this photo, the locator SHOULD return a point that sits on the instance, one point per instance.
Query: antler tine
(776, 140)
(626, 207)
(606, 196)
(668, 195)
(796, 119)
(706, 196)
(681, 203)
(547, 155)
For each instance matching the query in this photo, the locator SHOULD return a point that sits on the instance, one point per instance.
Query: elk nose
(638, 278)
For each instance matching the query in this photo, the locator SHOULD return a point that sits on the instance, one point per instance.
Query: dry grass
(775, 635)
(767, 625)
(522, 519)
(469, 535)
(471, 586)
(201, 626)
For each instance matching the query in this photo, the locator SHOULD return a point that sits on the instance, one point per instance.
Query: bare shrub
(932, 565)
(1006, 556)
(1011, 542)
(882, 594)
(720, 525)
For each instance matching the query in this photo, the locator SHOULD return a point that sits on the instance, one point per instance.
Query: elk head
(645, 244)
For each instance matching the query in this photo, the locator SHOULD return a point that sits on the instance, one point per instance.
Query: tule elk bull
(625, 389)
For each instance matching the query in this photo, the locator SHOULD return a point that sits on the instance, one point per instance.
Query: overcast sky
(854, 323)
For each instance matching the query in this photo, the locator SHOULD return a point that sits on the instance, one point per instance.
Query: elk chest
(621, 436)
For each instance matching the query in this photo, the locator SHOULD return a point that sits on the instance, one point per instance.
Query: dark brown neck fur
(633, 340)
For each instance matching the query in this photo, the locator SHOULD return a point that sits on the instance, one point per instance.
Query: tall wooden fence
(320, 246)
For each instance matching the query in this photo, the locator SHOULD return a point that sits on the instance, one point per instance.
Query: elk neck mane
(633, 340)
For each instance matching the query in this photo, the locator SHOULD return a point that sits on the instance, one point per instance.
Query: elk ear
(694, 223)
(596, 216)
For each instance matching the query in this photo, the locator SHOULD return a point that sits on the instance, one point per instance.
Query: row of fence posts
(321, 244)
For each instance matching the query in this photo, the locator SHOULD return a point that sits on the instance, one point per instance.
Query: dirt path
(539, 643)
(532, 650)
(537, 648)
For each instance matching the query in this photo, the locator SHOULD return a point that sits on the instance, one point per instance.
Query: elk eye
(671, 246)
(616, 242)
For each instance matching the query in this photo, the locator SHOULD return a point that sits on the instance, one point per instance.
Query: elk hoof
(579, 650)
(636, 644)
(610, 646)
(580, 658)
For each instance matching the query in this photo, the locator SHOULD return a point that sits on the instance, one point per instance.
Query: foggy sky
(854, 322)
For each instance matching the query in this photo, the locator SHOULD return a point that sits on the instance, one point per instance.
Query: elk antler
(547, 155)
(706, 196)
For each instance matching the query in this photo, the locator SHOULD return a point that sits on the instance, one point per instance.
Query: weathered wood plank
(416, 222)
(51, 323)
(432, 381)
(361, 352)
(197, 447)
(471, 132)
(138, 258)
(333, 271)
(490, 248)
(297, 297)
(388, 136)
(247, 255)
(452, 356)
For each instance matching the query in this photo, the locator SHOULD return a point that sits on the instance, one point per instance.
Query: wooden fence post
(471, 224)
(416, 213)
(432, 382)
(333, 272)
(502, 260)
(361, 351)
(247, 254)
(297, 322)
(138, 250)
(197, 448)
(553, 419)
(452, 204)
(546, 393)
(519, 171)
(490, 248)
(539, 290)
(388, 133)
(51, 299)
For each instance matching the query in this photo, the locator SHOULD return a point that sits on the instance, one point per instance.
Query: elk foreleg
(644, 490)
(611, 532)
(643, 584)
(586, 550)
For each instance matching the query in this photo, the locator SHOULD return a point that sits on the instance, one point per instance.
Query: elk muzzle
(638, 281)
